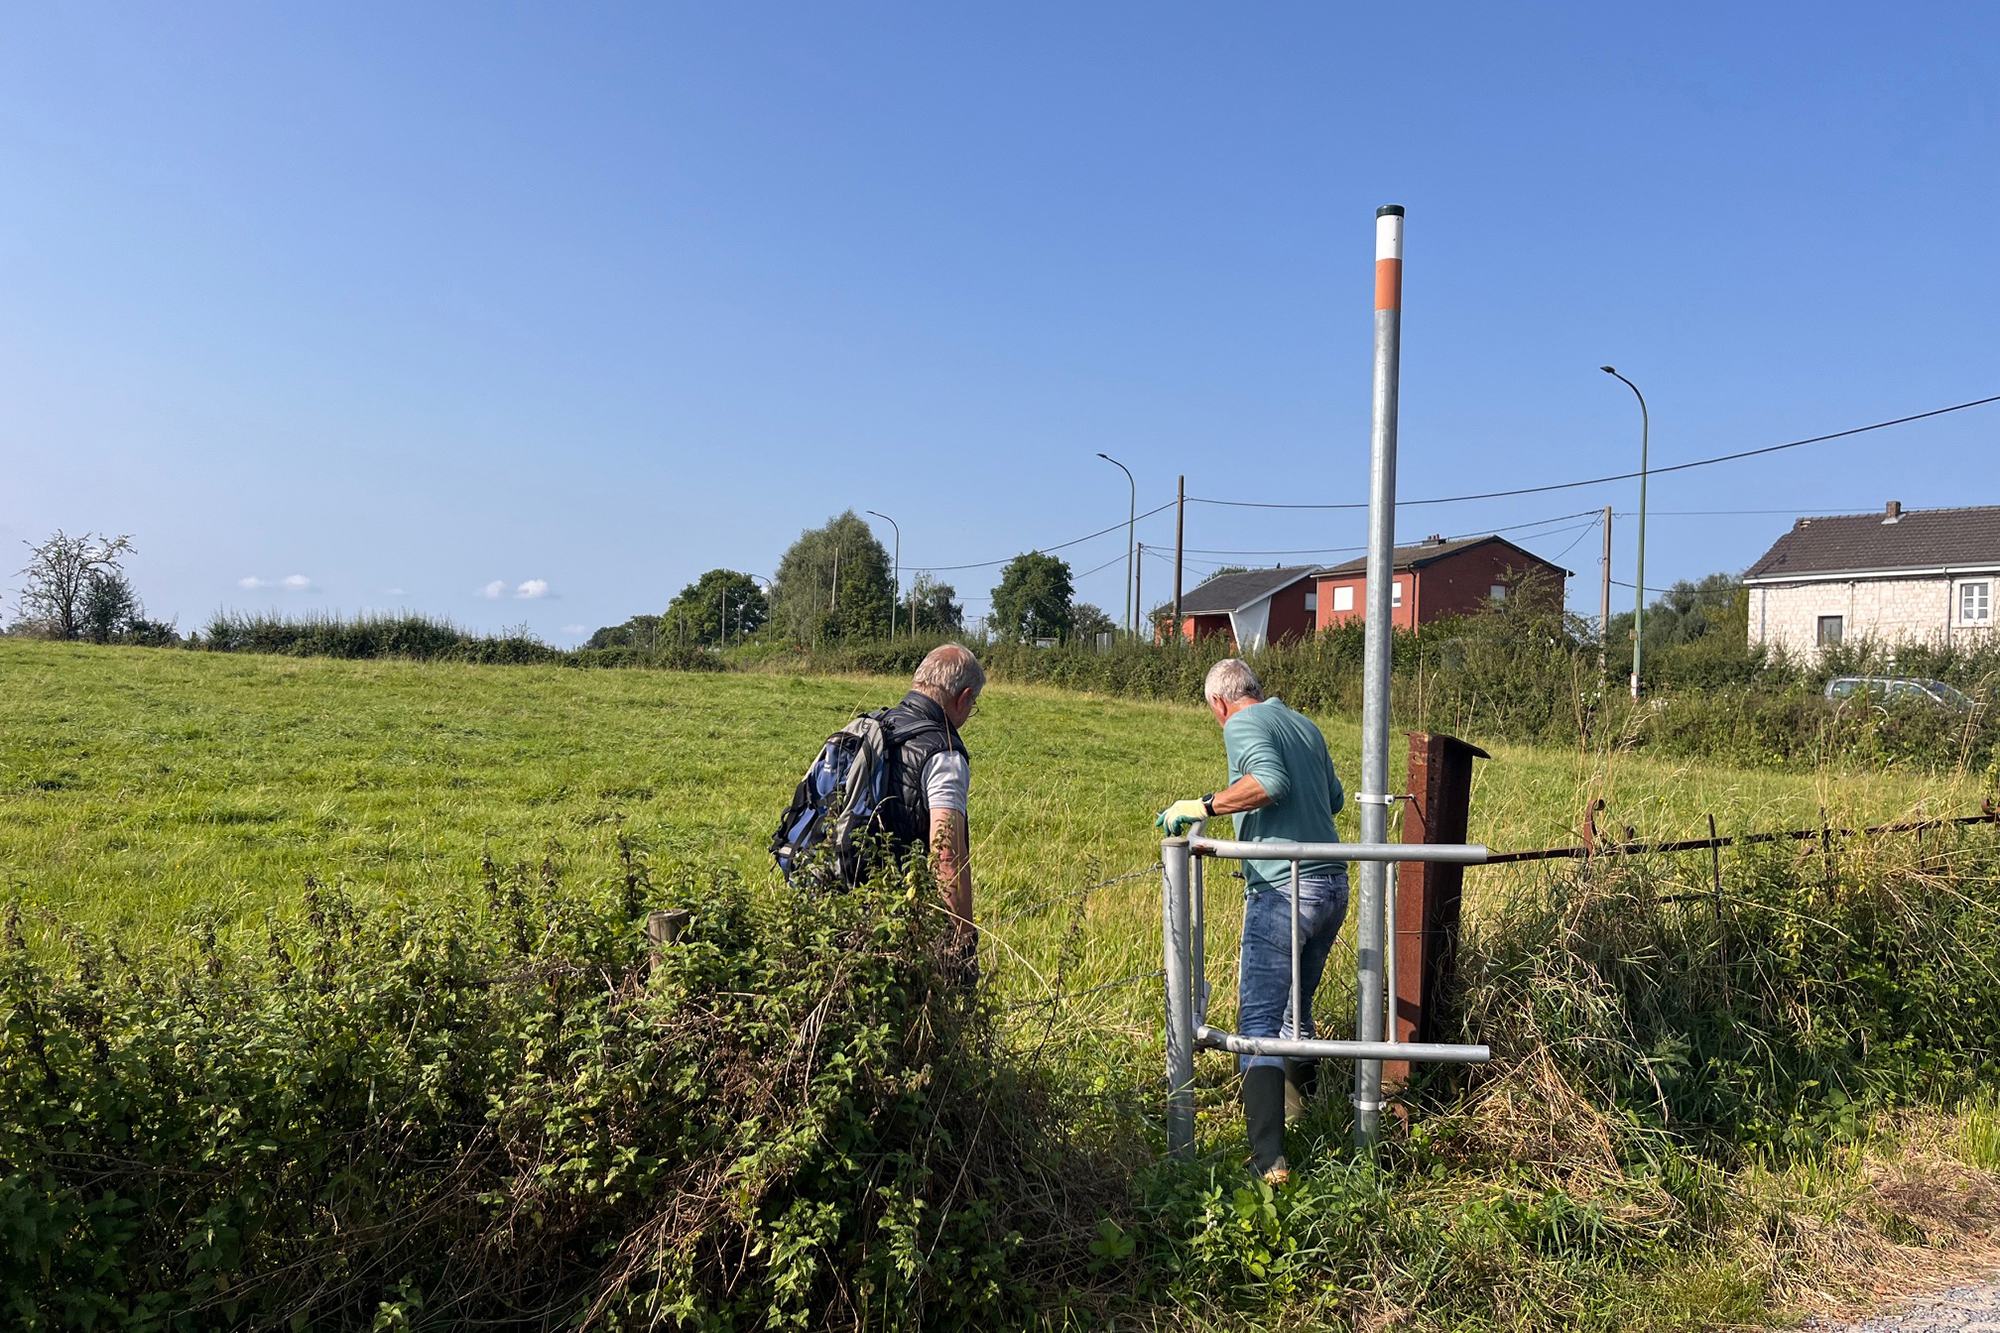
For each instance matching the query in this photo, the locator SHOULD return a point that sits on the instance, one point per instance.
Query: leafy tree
(1088, 621)
(110, 607)
(1032, 599)
(638, 632)
(1687, 611)
(1228, 569)
(932, 609)
(720, 607)
(59, 574)
(833, 584)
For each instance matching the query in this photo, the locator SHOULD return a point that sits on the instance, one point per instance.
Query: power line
(1044, 550)
(1618, 476)
(1343, 550)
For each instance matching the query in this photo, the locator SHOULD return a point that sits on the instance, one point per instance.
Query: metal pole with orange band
(1374, 798)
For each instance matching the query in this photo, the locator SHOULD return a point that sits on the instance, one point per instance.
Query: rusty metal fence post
(1428, 892)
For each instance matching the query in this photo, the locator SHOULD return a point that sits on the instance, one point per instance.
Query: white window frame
(1343, 597)
(1498, 592)
(1312, 601)
(1395, 592)
(1983, 588)
(1839, 624)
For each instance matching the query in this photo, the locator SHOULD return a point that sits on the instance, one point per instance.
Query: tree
(59, 574)
(1689, 610)
(932, 610)
(718, 608)
(110, 607)
(1088, 621)
(638, 632)
(833, 584)
(1032, 599)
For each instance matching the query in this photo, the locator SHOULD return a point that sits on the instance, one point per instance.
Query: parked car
(1900, 689)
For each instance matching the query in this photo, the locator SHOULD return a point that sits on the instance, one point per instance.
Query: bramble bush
(502, 1112)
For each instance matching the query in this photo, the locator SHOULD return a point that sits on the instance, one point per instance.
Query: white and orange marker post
(1374, 798)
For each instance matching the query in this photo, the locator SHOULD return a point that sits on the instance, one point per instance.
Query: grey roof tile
(1862, 543)
(1233, 592)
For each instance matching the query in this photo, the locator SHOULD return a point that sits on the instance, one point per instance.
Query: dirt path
(1968, 1309)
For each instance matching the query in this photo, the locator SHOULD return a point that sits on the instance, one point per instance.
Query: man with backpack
(894, 782)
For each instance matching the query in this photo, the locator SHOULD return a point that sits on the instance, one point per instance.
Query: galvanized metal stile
(1183, 908)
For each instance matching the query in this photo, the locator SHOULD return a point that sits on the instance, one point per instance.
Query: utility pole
(1604, 602)
(1370, 933)
(833, 599)
(1180, 531)
(1138, 578)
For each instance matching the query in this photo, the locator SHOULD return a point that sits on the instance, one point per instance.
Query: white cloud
(572, 629)
(532, 589)
(297, 582)
(497, 588)
(394, 592)
(290, 583)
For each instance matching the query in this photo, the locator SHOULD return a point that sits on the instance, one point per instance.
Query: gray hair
(1231, 679)
(948, 671)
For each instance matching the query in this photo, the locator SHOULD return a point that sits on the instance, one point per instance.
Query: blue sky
(414, 304)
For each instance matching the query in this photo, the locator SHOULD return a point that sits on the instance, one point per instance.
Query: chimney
(1435, 539)
(1894, 513)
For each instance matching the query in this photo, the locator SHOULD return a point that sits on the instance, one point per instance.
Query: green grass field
(150, 794)
(144, 791)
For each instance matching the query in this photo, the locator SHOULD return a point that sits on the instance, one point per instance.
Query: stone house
(1918, 576)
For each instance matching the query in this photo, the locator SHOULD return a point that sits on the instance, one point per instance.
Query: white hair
(947, 671)
(1231, 679)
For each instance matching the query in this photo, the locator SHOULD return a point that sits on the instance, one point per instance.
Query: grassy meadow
(144, 792)
(1666, 1139)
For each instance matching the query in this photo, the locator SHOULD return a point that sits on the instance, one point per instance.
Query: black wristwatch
(1208, 804)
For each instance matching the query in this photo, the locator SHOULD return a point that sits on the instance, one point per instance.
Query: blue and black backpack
(836, 812)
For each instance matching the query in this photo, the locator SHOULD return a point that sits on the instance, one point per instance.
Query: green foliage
(641, 632)
(494, 1110)
(62, 576)
(931, 605)
(834, 584)
(1032, 599)
(697, 616)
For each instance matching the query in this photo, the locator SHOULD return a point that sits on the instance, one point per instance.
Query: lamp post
(1131, 521)
(1639, 598)
(899, 574)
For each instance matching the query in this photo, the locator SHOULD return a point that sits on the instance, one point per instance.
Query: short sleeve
(947, 780)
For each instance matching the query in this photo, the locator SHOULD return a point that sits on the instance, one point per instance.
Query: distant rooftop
(1423, 553)
(1893, 539)
(1232, 592)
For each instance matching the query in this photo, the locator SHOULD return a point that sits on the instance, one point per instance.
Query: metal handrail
(1184, 921)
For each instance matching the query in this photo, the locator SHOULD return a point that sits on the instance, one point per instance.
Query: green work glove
(1176, 818)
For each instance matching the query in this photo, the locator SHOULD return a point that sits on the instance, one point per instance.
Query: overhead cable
(1617, 476)
(1044, 550)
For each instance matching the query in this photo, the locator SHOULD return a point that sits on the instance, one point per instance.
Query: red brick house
(1434, 579)
(1254, 608)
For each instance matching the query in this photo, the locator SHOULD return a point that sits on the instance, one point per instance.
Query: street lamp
(1639, 598)
(1130, 522)
(899, 574)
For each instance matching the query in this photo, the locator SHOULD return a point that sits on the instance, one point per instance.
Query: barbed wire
(1088, 990)
(1086, 891)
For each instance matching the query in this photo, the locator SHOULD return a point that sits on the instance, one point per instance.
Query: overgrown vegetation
(421, 638)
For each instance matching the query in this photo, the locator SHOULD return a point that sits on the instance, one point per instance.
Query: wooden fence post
(1427, 893)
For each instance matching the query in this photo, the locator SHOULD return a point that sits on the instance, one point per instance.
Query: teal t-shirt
(1287, 755)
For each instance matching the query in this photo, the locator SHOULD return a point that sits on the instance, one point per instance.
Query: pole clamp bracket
(1371, 798)
(1366, 1108)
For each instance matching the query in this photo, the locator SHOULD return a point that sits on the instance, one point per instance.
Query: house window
(1396, 593)
(1343, 598)
(1830, 627)
(1975, 603)
(1498, 592)
(1312, 601)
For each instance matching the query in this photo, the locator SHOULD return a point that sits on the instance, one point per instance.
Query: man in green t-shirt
(1282, 788)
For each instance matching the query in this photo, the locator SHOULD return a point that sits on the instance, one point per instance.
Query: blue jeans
(1264, 974)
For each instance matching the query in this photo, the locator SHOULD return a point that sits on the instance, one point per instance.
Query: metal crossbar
(1183, 916)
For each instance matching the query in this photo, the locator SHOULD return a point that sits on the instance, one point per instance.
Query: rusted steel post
(1428, 892)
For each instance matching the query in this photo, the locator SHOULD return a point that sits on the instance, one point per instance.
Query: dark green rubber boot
(1264, 1114)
